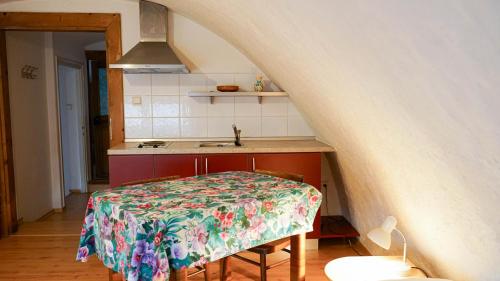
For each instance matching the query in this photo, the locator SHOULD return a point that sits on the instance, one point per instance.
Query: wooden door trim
(96, 144)
(110, 24)
(8, 212)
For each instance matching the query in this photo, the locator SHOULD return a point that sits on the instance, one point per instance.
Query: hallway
(46, 250)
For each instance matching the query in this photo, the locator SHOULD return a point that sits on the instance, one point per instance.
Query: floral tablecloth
(144, 230)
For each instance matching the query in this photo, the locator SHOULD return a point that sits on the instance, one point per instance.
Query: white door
(71, 126)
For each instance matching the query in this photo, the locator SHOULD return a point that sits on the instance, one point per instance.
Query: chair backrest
(279, 174)
(151, 180)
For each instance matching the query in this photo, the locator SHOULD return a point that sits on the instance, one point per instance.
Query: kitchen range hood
(152, 54)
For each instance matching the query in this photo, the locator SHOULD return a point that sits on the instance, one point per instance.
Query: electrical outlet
(136, 100)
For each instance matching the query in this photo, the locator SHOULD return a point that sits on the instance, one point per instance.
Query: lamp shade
(382, 235)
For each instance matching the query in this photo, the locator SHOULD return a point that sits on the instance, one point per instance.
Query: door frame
(82, 120)
(93, 55)
(110, 24)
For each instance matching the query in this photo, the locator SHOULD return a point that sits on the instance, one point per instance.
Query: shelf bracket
(260, 99)
(212, 98)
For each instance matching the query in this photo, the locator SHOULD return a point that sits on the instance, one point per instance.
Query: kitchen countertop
(249, 146)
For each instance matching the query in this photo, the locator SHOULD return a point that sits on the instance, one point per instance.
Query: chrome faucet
(237, 134)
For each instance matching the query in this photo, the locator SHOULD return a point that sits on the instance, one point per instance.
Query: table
(371, 268)
(145, 230)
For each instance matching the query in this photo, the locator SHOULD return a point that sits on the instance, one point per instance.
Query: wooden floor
(46, 250)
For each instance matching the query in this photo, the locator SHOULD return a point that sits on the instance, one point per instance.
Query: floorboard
(46, 250)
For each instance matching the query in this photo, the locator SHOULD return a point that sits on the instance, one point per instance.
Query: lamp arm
(404, 243)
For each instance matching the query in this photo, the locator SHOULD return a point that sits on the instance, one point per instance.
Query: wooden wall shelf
(259, 95)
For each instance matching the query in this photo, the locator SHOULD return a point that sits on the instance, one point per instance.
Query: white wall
(29, 125)
(96, 46)
(30, 120)
(53, 126)
(203, 52)
(129, 11)
(72, 45)
(165, 111)
(407, 92)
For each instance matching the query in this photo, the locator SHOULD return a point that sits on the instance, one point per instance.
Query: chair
(284, 175)
(206, 269)
(169, 178)
(183, 273)
(268, 248)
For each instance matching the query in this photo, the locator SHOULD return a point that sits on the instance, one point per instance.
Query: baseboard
(20, 221)
(78, 191)
(360, 248)
(48, 214)
(58, 210)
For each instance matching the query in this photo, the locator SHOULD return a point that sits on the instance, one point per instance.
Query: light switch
(136, 100)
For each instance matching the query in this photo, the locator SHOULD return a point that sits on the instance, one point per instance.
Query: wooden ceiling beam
(56, 21)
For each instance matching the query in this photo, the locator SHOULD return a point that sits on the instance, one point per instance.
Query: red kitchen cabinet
(125, 168)
(306, 164)
(216, 163)
(183, 165)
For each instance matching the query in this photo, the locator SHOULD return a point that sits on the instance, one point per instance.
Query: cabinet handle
(110, 128)
(206, 166)
(253, 164)
(195, 166)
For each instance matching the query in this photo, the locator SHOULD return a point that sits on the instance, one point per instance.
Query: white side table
(370, 268)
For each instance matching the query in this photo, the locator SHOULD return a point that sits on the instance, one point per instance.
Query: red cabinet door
(216, 163)
(124, 168)
(306, 164)
(183, 165)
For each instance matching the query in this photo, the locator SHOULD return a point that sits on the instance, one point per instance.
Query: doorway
(98, 116)
(72, 125)
(110, 24)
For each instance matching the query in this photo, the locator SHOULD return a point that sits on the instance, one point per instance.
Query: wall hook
(28, 72)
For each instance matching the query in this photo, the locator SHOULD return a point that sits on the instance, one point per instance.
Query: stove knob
(140, 145)
(155, 146)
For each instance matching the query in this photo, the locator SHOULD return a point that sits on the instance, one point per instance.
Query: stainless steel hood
(152, 54)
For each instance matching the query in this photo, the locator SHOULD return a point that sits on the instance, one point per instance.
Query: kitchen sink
(217, 144)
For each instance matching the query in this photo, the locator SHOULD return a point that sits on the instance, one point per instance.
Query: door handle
(195, 166)
(206, 166)
(253, 164)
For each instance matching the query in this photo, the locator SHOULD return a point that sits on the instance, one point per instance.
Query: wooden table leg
(180, 274)
(298, 257)
(225, 269)
(111, 273)
(208, 271)
(115, 276)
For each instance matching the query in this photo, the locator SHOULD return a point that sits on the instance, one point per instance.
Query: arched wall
(407, 92)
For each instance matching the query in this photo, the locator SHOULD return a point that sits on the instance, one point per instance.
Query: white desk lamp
(376, 268)
(382, 235)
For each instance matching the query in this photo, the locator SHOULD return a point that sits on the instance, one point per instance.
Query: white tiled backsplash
(157, 106)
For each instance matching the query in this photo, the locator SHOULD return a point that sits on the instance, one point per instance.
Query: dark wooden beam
(7, 189)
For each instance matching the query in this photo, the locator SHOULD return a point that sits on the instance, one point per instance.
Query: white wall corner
(53, 124)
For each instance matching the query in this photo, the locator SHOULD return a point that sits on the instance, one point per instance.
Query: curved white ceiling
(407, 92)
